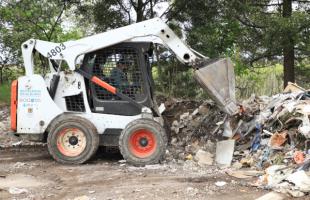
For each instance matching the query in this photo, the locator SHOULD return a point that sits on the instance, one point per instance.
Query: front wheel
(72, 140)
(143, 142)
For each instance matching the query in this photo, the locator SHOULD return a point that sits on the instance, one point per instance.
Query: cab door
(122, 66)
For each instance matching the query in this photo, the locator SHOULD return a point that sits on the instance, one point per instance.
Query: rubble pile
(269, 136)
(4, 119)
(189, 121)
(5, 138)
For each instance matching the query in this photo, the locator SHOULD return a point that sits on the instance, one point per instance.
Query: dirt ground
(28, 172)
(107, 177)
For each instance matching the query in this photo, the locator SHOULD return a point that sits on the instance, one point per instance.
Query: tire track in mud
(123, 183)
(23, 153)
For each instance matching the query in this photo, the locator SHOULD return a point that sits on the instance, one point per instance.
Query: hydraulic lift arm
(217, 77)
(69, 51)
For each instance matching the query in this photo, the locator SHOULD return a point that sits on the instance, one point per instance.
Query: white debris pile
(4, 119)
(268, 133)
(285, 180)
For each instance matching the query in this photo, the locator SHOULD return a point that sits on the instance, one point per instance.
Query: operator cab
(125, 66)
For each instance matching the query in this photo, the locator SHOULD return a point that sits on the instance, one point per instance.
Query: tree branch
(145, 3)
(247, 23)
(56, 22)
(302, 1)
(168, 10)
(302, 50)
(126, 10)
(266, 5)
(265, 55)
(133, 3)
(42, 29)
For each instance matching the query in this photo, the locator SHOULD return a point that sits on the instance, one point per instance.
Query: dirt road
(107, 177)
(28, 172)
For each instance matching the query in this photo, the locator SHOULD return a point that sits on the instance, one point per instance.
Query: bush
(5, 93)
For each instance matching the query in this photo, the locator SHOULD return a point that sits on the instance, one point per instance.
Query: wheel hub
(143, 142)
(71, 142)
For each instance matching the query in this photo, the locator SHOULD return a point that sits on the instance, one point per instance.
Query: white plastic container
(224, 152)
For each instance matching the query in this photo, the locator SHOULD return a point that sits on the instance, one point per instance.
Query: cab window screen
(118, 67)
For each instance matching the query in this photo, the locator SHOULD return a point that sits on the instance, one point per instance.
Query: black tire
(153, 129)
(86, 129)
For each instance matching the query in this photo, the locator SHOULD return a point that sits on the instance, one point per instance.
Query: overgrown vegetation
(260, 81)
(268, 41)
(5, 93)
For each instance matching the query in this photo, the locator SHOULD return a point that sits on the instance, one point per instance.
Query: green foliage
(22, 20)
(104, 11)
(264, 30)
(174, 79)
(103, 15)
(12, 73)
(240, 67)
(177, 81)
(5, 93)
(70, 35)
(261, 80)
(251, 32)
(208, 29)
(303, 73)
(25, 18)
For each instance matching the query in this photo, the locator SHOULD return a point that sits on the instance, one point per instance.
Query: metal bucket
(217, 77)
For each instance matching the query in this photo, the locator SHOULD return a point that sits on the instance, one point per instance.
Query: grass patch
(260, 81)
(5, 93)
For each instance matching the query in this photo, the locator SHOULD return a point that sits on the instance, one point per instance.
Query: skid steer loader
(107, 100)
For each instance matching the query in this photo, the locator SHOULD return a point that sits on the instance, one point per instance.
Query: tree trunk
(152, 9)
(1, 76)
(288, 47)
(139, 11)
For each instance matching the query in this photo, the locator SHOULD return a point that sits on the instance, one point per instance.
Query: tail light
(14, 105)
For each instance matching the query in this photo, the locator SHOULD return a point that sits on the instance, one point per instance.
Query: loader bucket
(218, 79)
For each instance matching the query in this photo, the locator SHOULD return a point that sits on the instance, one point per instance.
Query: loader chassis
(81, 96)
(108, 99)
(78, 96)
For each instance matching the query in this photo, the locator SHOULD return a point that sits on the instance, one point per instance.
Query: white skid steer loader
(108, 100)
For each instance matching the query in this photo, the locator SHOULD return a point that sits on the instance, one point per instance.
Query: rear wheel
(143, 142)
(72, 140)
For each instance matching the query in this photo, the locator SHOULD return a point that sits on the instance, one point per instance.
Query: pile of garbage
(190, 123)
(4, 119)
(269, 135)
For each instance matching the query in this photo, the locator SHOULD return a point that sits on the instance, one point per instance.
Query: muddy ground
(28, 172)
(106, 177)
